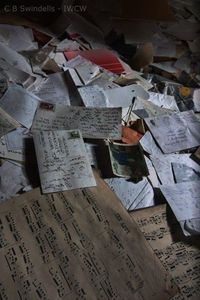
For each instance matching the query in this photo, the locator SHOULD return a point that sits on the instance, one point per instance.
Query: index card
(62, 161)
(20, 105)
(176, 132)
(98, 123)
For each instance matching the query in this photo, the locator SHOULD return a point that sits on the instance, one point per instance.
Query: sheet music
(6, 123)
(20, 105)
(79, 244)
(98, 123)
(54, 90)
(176, 132)
(62, 161)
(179, 255)
(132, 195)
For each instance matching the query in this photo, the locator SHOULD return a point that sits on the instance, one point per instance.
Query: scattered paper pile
(86, 96)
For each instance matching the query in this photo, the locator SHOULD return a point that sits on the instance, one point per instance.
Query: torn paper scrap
(62, 161)
(177, 132)
(20, 105)
(98, 123)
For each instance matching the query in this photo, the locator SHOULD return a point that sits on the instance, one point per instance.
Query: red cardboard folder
(101, 57)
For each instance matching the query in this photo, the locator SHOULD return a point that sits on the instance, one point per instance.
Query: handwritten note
(20, 105)
(62, 161)
(93, 96)
(54, 89)
(6, 123)
(79, 244)
(176, 132)
(96, 123)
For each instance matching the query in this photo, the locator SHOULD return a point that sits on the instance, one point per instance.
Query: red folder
(101, 57)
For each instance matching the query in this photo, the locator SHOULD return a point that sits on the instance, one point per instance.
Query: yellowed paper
(179, 255)
(76, 245)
